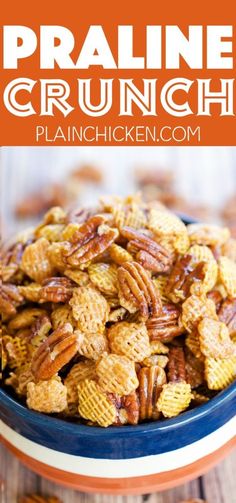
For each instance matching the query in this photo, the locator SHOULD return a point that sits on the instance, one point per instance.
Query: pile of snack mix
(120, 314)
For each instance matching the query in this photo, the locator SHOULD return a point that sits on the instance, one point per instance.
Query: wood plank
(220, 484)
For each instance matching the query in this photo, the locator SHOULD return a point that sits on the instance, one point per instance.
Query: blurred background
(198, 181)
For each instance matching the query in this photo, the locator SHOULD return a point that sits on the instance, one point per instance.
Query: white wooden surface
(203, 174)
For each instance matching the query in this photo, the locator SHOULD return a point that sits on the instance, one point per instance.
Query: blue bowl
(122, 460)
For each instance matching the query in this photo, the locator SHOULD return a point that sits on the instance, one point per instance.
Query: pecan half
(136, 287)
(166, 325)
(11, 260)
(176, 365)
(92, 239)
(227, 314)
(58, 289)
(194, 370)
(127, 408)
(10, 298)
(151, 380)
(57, 350)
(217, 298)
(40, 330)
(182, 276)
(148, 252)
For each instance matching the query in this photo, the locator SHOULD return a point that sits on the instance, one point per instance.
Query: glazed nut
(166, 325)
(40, 330)
(151, 381)
(91, 240)
(10, 260)
(194, 370)
(176, 365)
(130, 408)
(182, 277)
(57, 350)
(10, 299)
(58, 289)
(137, 291)
(26, 318)
(148, 252)
(227, 314)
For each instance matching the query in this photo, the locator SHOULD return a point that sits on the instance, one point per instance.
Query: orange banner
(118, 74)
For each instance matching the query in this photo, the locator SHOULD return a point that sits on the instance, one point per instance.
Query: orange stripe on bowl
(132, 485)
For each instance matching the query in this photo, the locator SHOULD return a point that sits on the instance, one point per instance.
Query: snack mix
(118, 315)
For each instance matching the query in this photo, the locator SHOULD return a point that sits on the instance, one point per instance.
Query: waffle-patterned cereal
(90, 309)
(94, 404)
(118, 314)
(47, 396)
(174, 398)
(116, 374)
(130, 339)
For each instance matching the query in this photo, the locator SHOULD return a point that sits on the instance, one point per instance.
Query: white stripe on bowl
(123, 468)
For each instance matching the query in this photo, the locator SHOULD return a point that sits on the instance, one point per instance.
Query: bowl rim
(166, 425)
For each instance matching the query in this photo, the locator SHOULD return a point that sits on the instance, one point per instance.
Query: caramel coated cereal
(118, 314)
(47, 396)
(130, 339)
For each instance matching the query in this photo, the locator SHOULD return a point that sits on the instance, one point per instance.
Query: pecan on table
(176, 365)
(166, 325)
(57, 289)
(148, 252)
(57, 350)
(137, 288)
(90, 240)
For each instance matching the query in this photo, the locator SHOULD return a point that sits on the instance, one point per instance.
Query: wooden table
(218, 486)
